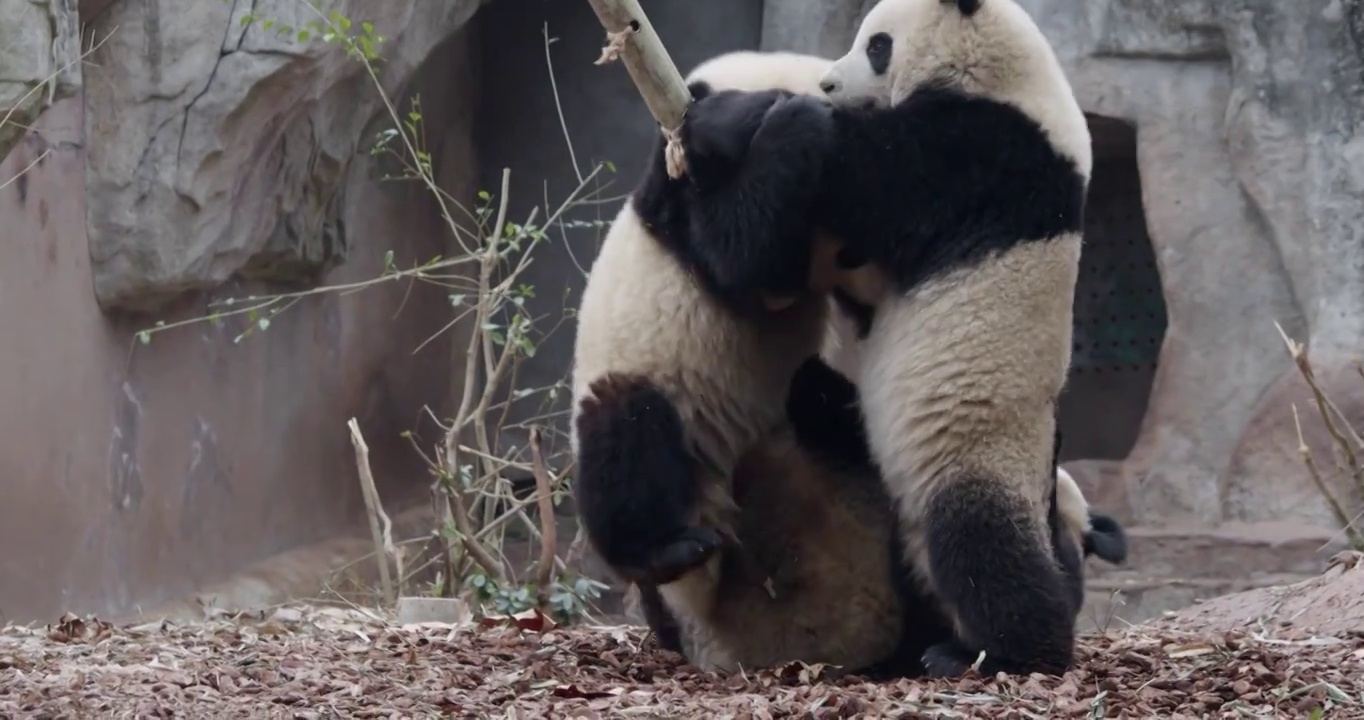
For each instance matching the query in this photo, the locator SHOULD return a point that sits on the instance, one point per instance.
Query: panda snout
(829, 86)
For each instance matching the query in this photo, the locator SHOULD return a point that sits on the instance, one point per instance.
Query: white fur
(1071, 505)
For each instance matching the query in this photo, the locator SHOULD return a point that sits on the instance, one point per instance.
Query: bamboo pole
(630, 38)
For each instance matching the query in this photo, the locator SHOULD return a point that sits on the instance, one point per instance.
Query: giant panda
(819, 579)
(956, 165)
(673, 378)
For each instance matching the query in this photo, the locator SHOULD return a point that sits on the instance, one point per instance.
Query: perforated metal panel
(1120, 316)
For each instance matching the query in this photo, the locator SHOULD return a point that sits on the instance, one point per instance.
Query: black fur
(822, 407)
(940, 181)
(739, 219)
(1106, 538)
(1005, 588)
(636, 486)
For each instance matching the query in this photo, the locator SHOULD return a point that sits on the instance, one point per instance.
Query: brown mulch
(311, 662)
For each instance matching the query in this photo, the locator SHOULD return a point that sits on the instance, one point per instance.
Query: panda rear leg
(637, 490)
(996, 575)
(1106, 538)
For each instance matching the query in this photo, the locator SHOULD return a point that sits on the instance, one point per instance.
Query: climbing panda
(673, 378)
(956, 165)
(820, 579)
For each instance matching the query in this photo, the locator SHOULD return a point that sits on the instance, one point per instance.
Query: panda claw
(684, 554)
(947, 660)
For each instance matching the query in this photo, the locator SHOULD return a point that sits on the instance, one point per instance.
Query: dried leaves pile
(324, 662)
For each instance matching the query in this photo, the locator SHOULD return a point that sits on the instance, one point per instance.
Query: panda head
(984, 47)
(756, 71)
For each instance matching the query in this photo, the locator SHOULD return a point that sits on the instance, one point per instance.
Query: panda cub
(956, 165)
(674, 378)
(819, 579)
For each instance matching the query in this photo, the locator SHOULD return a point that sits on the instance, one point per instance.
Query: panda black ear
(966, 7)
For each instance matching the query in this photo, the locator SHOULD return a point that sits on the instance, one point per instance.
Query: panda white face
(984, 47)
(900, 45)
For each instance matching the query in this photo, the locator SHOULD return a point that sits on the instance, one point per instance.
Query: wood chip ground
(314, 662)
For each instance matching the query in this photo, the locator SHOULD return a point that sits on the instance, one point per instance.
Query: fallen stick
(631, 39)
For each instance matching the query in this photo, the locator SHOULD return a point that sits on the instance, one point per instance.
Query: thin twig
(544, 575)
(380, 527)
(1315, 473)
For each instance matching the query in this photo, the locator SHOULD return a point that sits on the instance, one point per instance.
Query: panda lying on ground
(956, 161)
(819, 579)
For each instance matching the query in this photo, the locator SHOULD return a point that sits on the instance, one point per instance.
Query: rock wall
(137, 473)
(1251, 174)
(39, 62)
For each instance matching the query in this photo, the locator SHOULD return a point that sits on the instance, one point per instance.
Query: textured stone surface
(1252, 172)
(218, 149)
(39, 63)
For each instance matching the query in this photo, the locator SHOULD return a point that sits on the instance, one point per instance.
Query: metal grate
(1120, 316)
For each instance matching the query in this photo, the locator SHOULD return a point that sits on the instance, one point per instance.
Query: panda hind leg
(996, 575)
(637, 490)
(1106, 539)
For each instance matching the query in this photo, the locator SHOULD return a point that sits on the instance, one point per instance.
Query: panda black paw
(948, 660)
(718, 128)
(689, 551)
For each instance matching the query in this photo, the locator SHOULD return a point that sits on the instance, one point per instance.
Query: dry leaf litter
(321, 662)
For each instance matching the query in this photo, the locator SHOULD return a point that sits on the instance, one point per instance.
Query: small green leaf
(388, 259)
(144, 337)
(263, 324)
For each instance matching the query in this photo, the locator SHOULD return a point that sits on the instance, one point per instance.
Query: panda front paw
(689, 551)
(718, 129)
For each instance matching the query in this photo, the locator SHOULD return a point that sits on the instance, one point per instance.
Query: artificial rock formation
(39, 62)
(209, 159)
(1252, 172)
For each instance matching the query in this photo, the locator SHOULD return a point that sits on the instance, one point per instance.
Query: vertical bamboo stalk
(632, 39)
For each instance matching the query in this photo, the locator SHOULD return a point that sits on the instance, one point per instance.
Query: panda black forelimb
(741, 217)
(822, 407)
(636, 487)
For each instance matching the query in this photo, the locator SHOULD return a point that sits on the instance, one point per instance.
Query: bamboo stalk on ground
(631, 39)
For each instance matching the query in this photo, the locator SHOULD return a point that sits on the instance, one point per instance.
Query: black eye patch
(879, 47)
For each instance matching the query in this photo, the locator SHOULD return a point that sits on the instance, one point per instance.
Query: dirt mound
(323, 662)
(1329, 605)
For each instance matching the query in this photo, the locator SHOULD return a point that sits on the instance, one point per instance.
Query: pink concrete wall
(129, 473)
